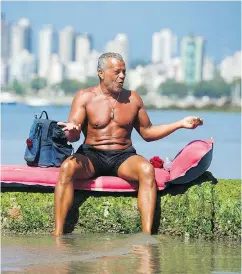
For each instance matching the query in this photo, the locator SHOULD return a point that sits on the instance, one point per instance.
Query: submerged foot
(142, 239)
(57, 233)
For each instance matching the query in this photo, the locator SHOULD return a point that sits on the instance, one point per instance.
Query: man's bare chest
(101, 114)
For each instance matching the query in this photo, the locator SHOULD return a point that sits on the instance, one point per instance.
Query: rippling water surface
(111, 253)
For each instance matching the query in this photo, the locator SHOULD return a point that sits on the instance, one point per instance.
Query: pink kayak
(191, 162)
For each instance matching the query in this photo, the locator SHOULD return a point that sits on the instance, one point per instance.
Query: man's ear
(101, 74)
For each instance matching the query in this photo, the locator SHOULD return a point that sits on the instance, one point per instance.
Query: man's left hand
(191, 122)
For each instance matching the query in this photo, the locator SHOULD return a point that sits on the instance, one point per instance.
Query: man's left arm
(150, 133)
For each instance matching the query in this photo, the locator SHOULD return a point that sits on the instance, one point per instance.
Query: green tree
(171, 88)
(214, 88)
(38, 83)
(142, 90)
(71, 86)
(92, 81)
(19, 89)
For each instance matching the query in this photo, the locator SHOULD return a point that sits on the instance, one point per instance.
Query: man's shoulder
(84, 96)
(131, 93)
(87, 92)
(134, 95)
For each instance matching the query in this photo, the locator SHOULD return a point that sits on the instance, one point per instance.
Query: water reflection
(148, 259)
(110, 253)
(133, 254)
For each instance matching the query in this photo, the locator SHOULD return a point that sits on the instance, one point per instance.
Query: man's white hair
(104, 58)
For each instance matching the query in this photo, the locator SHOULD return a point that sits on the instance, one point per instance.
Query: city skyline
(226, 42)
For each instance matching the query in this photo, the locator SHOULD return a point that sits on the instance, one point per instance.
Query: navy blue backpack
(47, 145)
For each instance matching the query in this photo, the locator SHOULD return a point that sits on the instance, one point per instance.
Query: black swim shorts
(106, 162)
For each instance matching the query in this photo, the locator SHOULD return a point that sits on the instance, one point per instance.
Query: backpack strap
(46, 115)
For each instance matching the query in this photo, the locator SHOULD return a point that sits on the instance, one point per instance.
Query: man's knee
(147, 173)
(67, 171)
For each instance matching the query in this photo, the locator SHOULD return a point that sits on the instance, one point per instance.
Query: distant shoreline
(167, 104)
(217, 109)
(213, 109)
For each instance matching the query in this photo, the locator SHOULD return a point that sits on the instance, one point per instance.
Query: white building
(174, 70)
(208, 69)
(45, 50)
(66, 45)
(137, 77)
(55, 71)
(150, 76)
(83, 47)
(156, 75)
(16, 41)
(76, 71)
(92, 63)
(120, 45)
(230, 67)
(5, 38)
(164, 44)
(156, 51)
(4, 73)
(22, 67)
(21, 37)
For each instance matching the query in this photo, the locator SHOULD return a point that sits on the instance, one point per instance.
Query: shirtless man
(107, 114)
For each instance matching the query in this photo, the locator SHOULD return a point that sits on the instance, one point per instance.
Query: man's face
(114, 75)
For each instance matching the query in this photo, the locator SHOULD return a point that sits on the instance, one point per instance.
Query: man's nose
(122, 75)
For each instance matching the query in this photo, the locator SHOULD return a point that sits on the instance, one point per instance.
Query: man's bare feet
(57, 234)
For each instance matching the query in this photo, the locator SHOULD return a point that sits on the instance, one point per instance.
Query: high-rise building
(55, 74)
(4, 73)
(119, 45)
(163, 46)
(45, 50)
(192, 53)
(21, 37)
(156, 52)
(208, 69)
(27, 33)
(90, 38)
(5, 38)
(22, 68)
(174, 70)
(83, 47)
(76, 71)
(92, 63)
(67, 45)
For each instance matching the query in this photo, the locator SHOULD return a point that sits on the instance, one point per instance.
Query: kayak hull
(191, 162)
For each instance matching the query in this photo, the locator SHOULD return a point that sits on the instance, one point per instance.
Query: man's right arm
(77, 115)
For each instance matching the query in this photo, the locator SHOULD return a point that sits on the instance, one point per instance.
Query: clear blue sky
(218, 22)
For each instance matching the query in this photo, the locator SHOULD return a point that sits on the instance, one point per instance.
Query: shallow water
(115, 253)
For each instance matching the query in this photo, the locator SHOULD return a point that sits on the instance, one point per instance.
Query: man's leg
(76, 166)
(139, 169)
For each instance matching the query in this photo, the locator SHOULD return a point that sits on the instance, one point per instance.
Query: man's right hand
(71, 130)
(69, 127)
